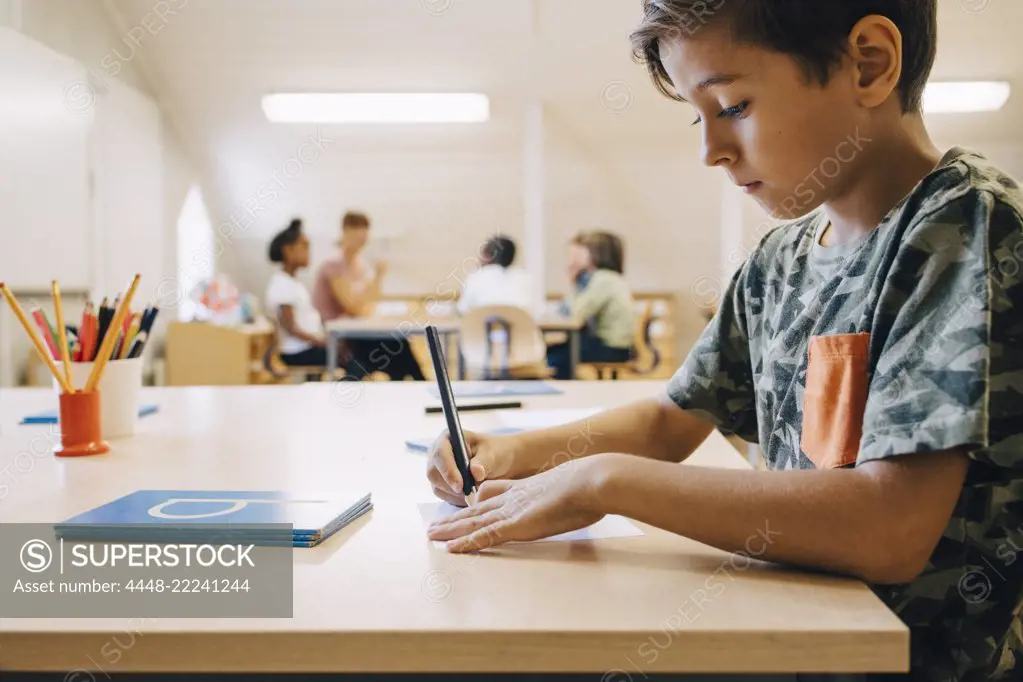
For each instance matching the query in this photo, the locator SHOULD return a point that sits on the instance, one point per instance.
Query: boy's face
(789, 143)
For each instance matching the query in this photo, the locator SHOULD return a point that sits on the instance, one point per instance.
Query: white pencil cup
(120, 390)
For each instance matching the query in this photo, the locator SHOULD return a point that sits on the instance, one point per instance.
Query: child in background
(349, 286)
(872, 346)
(602, 298)
(300, 332)
(497, 282)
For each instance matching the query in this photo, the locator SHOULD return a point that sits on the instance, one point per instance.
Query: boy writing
(873, 346)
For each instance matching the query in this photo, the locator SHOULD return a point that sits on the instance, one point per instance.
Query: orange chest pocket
(834, 399)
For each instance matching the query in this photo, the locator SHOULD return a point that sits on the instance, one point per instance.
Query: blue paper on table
(196, 516)
(50, 416)
(423, 444)
(481, 389)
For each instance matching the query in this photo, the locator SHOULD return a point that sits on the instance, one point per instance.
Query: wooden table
(400, 327)
(367, 600)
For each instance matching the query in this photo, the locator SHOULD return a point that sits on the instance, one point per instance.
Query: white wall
(84, 32)
(437, 195)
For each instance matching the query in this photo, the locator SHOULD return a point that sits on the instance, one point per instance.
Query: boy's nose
(717, 151)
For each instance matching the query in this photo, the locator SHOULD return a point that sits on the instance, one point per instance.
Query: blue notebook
(482, 389)
(423, 444)
(50, 416)
(195, 516)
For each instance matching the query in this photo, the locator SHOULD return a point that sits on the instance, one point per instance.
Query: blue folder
(50, 416)
(196, 516)
(483, 389)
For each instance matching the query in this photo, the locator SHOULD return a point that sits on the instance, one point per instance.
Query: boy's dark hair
(355, 219)
(814, 32)
(606, 249)
(285, 237)
(500, 251)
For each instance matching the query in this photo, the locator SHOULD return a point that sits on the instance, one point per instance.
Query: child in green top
(602, 299)
(872, 346)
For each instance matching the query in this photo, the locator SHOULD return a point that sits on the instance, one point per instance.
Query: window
(195, 251)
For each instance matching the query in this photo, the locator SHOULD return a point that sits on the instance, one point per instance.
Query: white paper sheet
(528, 420)
(607, 528)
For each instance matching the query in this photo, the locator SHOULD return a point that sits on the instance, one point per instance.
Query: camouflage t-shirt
(925, 313)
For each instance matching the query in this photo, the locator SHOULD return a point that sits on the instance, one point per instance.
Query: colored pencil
(40, 348)
(44, 331)
(105, 314)
(65, 352)
(129, 337)
(138, 345)
(89, 328)
(103, 356)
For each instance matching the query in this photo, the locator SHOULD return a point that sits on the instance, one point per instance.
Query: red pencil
(88, 335)
(44, 328)
(83, 333)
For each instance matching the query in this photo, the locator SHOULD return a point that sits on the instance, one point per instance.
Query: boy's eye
(731, 112)
(734, 112)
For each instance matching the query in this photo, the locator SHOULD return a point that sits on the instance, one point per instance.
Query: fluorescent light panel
(965, 97)
(376, 108)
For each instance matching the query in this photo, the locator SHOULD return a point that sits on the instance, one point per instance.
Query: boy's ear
(875, 47)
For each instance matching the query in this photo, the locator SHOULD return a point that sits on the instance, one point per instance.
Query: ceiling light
(376, 108)
(965, 97)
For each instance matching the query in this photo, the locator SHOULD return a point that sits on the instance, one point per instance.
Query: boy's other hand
(544, 505)
(490, 457)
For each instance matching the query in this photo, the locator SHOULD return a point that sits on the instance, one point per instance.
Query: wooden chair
(611, 369)
(285, 373)
(503, 342)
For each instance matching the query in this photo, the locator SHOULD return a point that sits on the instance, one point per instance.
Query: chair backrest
(500, 338)
(272, 362)
(646, 324)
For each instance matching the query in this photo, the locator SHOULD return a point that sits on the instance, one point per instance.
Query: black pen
(447, 399)
(477, 407)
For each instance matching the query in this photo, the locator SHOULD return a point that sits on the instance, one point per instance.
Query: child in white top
(300, 330)
(497, 282)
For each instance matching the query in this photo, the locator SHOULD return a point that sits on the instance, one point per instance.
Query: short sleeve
(716, 380)
(935, 382)
(281, 291)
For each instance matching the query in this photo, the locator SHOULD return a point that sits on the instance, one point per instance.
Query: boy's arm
(654, 428)
(879, 521)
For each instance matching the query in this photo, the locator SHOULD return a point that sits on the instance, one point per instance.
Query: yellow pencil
(104, 353)
(133, 330)
(65, 352)
(36, 341)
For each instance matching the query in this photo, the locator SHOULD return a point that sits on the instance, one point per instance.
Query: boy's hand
(554, 502)
(490, 458)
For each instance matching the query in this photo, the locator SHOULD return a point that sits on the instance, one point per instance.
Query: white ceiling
(215, 58)
(212, 61)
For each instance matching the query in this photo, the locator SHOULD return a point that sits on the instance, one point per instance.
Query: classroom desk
(378, 597)
(396, 326)
(390, 327)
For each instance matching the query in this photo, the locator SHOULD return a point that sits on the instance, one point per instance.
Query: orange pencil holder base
(80, 430)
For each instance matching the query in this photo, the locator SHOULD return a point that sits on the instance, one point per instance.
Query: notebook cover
(224, 513)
